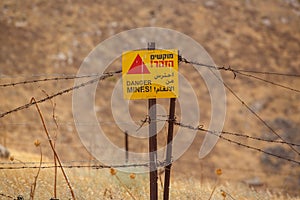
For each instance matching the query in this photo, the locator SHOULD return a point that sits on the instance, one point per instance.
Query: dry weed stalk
(160, 172)
(33, 186)
(53, 104)
(52, 147)
(113, 172)
(224, 194)
(12, 158)
(107, 192)
(219, 173)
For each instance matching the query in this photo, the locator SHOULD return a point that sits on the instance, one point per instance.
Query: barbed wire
(102, 77)
(181, 59)
(219, 134)
(68, 123)
(184, 60)
(256, 115)
(241, 72)
(94, 163)
(259, 139)
(267, 81)
(142, 122)
(69, 77)
(48, 162)
(76, 166)
(267, 73)
(5, 195)
(200, 128)
(211, 67)
(39, 75)
(147, 120)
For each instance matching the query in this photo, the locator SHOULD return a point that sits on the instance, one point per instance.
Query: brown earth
(48, 38)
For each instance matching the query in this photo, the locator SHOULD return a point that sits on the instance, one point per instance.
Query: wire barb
(147, 119)
(5, 195)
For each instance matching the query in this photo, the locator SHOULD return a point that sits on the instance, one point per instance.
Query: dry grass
(113, 184)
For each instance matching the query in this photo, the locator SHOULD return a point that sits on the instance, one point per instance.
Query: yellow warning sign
(150, 74)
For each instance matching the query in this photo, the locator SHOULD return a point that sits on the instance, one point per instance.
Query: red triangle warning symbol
(138, 66)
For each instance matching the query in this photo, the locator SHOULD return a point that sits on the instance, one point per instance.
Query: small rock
(75, 43)
(4, 153)
(284, 20)
(61, 56)
(70, 57)
(293, 3)
(258, 105)
(21, 24)
(209, 4)
(266, 22)
(114, 24)
(254, 182)
(98, 32)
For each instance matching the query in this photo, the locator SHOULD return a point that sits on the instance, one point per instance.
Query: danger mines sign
(150, 74)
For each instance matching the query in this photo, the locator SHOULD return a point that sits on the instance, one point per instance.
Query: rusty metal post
(152, 142)
(126, 146)
(153, 149)
(169, 148)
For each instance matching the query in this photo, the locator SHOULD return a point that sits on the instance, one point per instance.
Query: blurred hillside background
(43, 39)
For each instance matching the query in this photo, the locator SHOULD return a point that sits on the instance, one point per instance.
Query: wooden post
(152, 142)
(169, 148)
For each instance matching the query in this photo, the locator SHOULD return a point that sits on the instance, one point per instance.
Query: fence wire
(239, 98)
(184, 60)
(242, 72)
(102, 77)
(64, 77)
(200, 128)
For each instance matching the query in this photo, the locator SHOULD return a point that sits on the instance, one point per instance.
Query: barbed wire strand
(71, 77)
(62, 145)
(67, 123)
(142, 123)
(256, 115)
(237, 71)
(49, 162)
(200, 128)
(7, 196)
(227, 133)
(80, 166)
(79, 163)
(267, 81)
(210, 67)
(267, 73)
(181, 59)
(102, 77)
(258, 138)
(15, 76)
